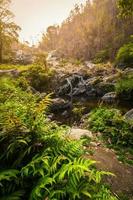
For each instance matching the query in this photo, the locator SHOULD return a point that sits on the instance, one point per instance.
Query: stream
(82, 108)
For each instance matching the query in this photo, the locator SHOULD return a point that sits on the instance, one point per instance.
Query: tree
(8, 29)
(49, 39)
(126, 7)
(91, 29)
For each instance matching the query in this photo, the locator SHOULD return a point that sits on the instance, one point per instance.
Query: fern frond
(8, 175)
(57, 194)
(44, 104)
(57, 161)
(38, 166)
(96, 176)
(40, 190)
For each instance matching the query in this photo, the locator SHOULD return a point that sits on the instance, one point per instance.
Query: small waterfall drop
(71, 89)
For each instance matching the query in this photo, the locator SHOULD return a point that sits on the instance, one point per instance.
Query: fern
(43, 105)
(14, 196)
(8, 175)
(38, 166)
(41, 186)
(43, 163)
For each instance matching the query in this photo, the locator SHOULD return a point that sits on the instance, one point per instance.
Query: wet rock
(59, 104)
(80, 86)
(73, 84)
(76, 133)
(129, 115)
(109, 97)
(104, 87)
(79, 90)
(65, 113)
(91, 93)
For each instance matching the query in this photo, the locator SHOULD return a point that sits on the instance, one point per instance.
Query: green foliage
(125, 55)
(8, 30)
(124, 87)
(37, 160)
(101, 56)
(39, 77)
(65, 176)
(126, 7)
(90, 32)
(112, 125)
(8, 175)
(17, 67)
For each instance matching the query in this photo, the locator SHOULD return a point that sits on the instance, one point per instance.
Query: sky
(34, 16)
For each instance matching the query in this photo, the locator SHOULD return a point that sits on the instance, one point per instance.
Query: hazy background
(34, 16)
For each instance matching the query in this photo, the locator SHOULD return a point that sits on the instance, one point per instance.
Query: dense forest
(66, 106)
(91, 30)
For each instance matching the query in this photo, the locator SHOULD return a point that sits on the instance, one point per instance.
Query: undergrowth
(124, 87)
(37, 159)
(115, 130)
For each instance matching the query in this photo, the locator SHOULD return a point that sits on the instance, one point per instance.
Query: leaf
(8, 175)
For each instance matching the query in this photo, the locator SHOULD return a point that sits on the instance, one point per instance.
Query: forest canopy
(91, 29)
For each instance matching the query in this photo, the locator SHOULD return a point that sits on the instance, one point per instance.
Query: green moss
(124, 87)
(125, 84)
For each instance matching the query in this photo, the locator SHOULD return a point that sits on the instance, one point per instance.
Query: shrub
(37, 160)
(124, 87)
(39, 77)
(125, 55)
(112, 125)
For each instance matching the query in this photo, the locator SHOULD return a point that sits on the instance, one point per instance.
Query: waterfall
(82, 80)
(71, 89)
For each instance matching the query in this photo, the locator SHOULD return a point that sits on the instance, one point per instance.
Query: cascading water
(71, 89)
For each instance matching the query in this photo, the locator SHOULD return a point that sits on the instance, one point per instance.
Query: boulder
(80, 86)
(74, 84)
(129, 115)
(92, 93)
(79, 90)
(76, 133)
(104, 87)
(109, 97)
(59, 104)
